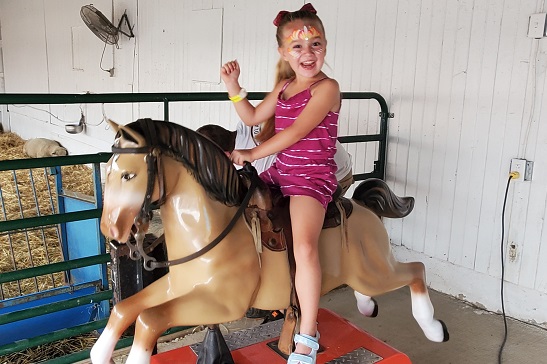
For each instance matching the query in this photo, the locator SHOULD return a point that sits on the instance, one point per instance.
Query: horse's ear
(139, 139)
(113, 125)
(122, 129)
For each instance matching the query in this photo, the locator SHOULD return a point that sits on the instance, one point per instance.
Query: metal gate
(69, 294)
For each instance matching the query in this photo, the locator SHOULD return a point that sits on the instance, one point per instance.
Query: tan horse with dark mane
(199, 191)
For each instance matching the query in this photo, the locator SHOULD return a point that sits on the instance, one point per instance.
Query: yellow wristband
(240, 96)
(236, 98)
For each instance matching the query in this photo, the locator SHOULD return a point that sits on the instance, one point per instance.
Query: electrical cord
(44, 111)
(82, 117)
(101, 63)
(512, 175)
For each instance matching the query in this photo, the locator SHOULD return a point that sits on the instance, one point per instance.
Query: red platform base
(339, 339)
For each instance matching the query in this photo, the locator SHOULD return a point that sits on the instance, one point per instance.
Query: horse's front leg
(124, 314)
(197, 308)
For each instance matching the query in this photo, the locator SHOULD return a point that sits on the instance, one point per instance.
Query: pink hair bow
(307, 7)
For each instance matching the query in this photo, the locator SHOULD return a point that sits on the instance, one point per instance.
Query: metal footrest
(342, 343)
(247, 337)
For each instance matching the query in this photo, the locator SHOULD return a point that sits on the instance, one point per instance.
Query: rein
(154, 168)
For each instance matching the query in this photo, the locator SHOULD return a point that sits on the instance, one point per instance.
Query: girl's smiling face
(303, 47)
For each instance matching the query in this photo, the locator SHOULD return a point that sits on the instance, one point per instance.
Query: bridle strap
(136, 150)
(154, 168)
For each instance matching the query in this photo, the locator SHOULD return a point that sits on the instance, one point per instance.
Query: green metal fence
(166, 99)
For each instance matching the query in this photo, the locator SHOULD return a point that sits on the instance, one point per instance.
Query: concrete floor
(475, 334)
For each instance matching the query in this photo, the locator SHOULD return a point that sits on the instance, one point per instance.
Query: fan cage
(99, 24)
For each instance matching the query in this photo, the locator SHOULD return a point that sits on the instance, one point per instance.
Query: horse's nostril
(109, 229)
(114, 233)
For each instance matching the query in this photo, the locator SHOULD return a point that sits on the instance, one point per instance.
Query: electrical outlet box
(529, 170)
(523, 167)
(536, 25)
(512, 252)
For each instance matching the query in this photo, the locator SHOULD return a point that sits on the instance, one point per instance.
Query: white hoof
(101, 352)
(436, 332)
(137, 355)
(365, 304)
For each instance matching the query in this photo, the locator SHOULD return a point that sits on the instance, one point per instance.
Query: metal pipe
(54, 336)
(53, 268)
(29, 222)
(16, 164)
(119, 97)
(54, 307)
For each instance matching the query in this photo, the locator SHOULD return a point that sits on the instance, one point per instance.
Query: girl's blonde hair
(283, 68)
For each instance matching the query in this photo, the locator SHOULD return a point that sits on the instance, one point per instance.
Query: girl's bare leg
(307, 216)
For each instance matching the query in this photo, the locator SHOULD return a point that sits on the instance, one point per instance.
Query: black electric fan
(102, 27)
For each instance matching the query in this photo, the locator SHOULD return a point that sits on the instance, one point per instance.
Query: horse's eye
(127, 176)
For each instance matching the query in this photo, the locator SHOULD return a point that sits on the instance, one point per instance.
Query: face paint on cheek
(318, 50)
(294, 53)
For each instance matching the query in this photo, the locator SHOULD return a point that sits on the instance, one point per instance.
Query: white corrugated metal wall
(465, 82)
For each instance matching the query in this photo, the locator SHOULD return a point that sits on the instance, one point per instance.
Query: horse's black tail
(375, 194)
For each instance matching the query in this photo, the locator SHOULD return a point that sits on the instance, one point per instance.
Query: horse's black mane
(204, 159)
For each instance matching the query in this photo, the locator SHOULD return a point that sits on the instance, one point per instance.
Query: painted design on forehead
(305, 33)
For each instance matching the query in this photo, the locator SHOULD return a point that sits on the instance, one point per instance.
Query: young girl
(305, 104)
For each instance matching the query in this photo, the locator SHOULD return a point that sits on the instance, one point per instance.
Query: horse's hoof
(273, 316)
(437, 332)
(375, 312)
(366, 305)
(446, 335)
(254, 313)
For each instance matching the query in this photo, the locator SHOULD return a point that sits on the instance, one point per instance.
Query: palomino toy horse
(199, 191)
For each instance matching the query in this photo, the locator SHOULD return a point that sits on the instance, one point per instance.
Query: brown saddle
(268, 214)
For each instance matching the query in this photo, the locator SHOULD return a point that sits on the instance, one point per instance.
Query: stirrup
(309, 341)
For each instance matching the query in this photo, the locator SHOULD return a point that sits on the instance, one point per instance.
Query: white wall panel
(536, 226)
(471, 156)
(483, 168)
(404, 73)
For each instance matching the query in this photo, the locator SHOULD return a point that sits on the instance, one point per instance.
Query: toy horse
(199, 193)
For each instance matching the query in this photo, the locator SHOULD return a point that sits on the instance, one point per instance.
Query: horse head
(135, 178)
(125, 185)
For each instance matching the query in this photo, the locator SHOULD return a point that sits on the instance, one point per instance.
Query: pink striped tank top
(307, 167)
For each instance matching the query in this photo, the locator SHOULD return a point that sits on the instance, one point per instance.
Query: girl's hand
(240, 156)
(229, 72)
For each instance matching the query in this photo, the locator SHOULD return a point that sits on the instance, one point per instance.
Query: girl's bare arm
(248, 113)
